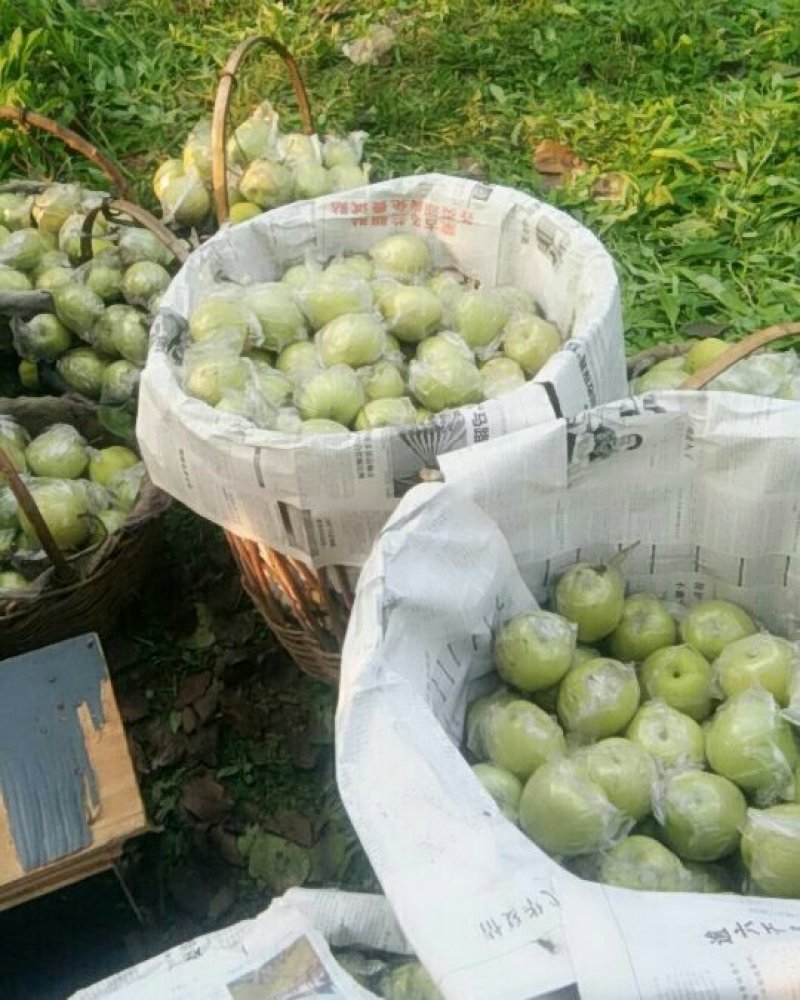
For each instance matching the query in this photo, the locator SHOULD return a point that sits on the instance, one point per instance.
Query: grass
(695, 106)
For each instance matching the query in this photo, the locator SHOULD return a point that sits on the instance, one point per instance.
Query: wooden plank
(118, 816)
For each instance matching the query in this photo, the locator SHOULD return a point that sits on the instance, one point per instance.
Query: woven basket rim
(150, 503)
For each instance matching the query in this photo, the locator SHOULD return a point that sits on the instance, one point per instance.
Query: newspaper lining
(324, 500)
(280, 955)
(707, 485)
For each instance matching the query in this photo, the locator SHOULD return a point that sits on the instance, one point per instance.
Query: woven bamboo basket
(83, 592)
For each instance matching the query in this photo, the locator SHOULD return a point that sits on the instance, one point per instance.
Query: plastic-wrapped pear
(267, 184)
(54, 205)
(280, 318)
(324, 297)
(530, 341)
(334, 393)
(376, 413)
(353, 338)
(12, 280)
(412, 312)
(185, 200)
(445, 384)
(120, 383)
(402, 256)
(58, 453)
(78, 307)
(82, 370)
(382, 380)
(501, 376)
(479, 317)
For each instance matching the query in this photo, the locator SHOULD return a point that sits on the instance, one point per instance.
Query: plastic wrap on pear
(445, 384)
(54, 205)
(354, 339)
(59, 452)
(142, 281)
(412, 312)
(64, 510)
(749, 742)
(477, 719)
(396, 412)
(185, 201)
(343, 152)
(402, 256)
(624, 770)
(598, 698)
(15, 210)
(642, 863)
(297, 359)
(78, 307)
(335, 393)
(197, 157)
(771, 850)
(125, 485)
(23, 249)
(382, 380)
(82, 370)
(120, 384)
(567, 814)
(280, 319)
(214, 367)
(519, 737)
(480, 316)
(267, 184)
(701, 814)
(167, 172)
(42, 338)
(221, 313)
(500, 376)
(324, 297)
(534, 650)
(272, 385)
(530, 341)
(256, 138)
(136, 245)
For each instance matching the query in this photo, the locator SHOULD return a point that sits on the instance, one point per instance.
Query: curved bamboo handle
(111, 208)
(219, 155)
(71, 139)
(25, 303)
(743, 349)
(28, 504)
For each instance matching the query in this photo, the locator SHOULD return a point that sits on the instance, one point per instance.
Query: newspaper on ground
(283, 954)
(707, 484)
(324, 499)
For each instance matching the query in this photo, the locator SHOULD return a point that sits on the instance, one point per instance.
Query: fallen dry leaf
(611, 187)
(192, 688)
(552, 157)
(205, 798)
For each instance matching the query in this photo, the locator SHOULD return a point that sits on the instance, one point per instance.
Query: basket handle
(25, 303)
(23, 497)
(743, 349)
(71, 139)
(111, 208)
(219, 156)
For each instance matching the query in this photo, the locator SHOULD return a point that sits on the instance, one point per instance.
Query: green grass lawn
(692, 107)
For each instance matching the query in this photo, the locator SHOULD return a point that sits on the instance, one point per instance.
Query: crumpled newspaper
(372, 48)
